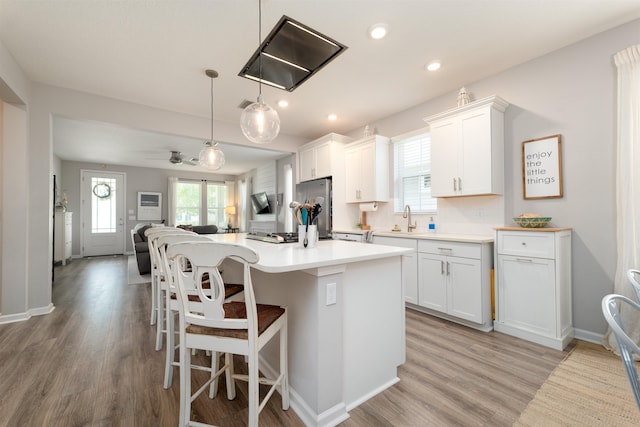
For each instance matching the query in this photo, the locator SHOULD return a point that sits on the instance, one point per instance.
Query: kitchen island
(346, 320)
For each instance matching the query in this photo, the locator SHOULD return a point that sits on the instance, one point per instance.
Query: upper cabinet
(467, 145)
(367, 170)
(321, 158)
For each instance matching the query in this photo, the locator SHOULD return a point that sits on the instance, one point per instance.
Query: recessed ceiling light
(283, 103)
(433, 65)
(332, 117)
(378, 31)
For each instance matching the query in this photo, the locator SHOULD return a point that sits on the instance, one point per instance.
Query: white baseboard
(20, 317)
(589, 336)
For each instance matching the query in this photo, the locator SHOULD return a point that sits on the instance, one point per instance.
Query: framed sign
(149, 206)
(542, 168)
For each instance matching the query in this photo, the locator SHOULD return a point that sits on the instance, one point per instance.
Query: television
(260, 203)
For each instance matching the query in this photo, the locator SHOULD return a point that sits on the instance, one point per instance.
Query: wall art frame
(542, 168)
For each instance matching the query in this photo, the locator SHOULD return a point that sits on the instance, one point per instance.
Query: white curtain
(171, 201)
(628, 181)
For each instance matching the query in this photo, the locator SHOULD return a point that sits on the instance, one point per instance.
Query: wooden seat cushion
(267, 314)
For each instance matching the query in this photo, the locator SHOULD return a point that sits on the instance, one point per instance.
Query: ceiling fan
(177, 158)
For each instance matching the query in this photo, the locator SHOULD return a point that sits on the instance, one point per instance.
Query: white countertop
(283, 257)
(451, 237)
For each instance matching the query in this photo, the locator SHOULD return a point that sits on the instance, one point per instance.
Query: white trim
(19, 317)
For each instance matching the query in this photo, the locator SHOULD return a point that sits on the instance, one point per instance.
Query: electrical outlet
(331, 293)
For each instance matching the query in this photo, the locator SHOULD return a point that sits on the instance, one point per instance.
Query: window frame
(203, 207)
(423, 172)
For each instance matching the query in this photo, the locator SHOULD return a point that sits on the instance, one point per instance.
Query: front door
(102, 212)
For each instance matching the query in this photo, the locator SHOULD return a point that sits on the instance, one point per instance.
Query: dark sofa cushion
(205, 229)
(141, 231)
(141, 247)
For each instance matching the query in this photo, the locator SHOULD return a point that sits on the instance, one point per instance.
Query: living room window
(412, 172)
(200, 203)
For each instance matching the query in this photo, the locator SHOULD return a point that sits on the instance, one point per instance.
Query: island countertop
(284, 257)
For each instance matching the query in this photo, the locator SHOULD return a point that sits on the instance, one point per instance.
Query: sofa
(141, 247)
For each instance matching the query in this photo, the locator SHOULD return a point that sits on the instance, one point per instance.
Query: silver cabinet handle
(445, 249)
(442, 267)
(524, 259)
(447, 268)
(455, 187)
(459, 184)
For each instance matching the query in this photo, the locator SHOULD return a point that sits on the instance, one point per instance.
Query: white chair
(634, 278)
(234, 327)
(171, 306)
(157, 279)
(626, 345)
(148, 232)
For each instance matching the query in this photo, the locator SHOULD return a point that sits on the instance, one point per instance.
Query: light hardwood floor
(92, 363)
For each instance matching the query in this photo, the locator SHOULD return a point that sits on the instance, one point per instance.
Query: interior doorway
(102, 212)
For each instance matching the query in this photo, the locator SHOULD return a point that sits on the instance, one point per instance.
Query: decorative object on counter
(395, 228)
(367, 131)
(61, 205)
(532, 221)
(542, 168)
(463, 97)
(432, 226)
(211, 157)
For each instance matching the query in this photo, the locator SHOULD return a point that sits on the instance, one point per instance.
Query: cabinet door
(323, 161)
(367, 175)
(432, 286)
(444, 158)
(475, 154)
(464, 294)
(410, 277)
(352, 175)
(526, 294)
(307, 164)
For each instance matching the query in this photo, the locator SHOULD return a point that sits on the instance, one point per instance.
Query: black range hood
(290, 55)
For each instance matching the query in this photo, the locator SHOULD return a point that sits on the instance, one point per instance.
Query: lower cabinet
(448, 279)
(533, 285)
(455, 280)
(63, 237)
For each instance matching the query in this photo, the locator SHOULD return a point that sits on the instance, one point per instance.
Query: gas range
(273, 237)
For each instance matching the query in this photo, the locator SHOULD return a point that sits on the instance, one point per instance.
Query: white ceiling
(154, 53)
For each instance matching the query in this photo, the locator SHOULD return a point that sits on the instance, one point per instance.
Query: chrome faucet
(407, 214)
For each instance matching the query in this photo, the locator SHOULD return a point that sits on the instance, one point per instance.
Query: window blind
(412, 172)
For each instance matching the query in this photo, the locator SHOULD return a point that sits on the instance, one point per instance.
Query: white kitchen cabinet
(467, 145)
(320, 158)
(454, 281)
(533, 285)
(367, 170)
(63, 237)
(409, 265)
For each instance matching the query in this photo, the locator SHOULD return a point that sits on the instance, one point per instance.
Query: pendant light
(259, 121)
(211, 157)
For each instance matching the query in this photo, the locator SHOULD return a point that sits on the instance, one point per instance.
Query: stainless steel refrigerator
(309, 191)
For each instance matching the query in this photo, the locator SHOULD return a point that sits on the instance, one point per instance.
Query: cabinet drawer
(531, 244)
(459, 249)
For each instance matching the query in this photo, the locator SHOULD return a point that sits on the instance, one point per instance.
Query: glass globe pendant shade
(260, 123)
(211, 157)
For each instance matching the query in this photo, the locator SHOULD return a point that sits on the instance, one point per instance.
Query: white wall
(571, 92)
